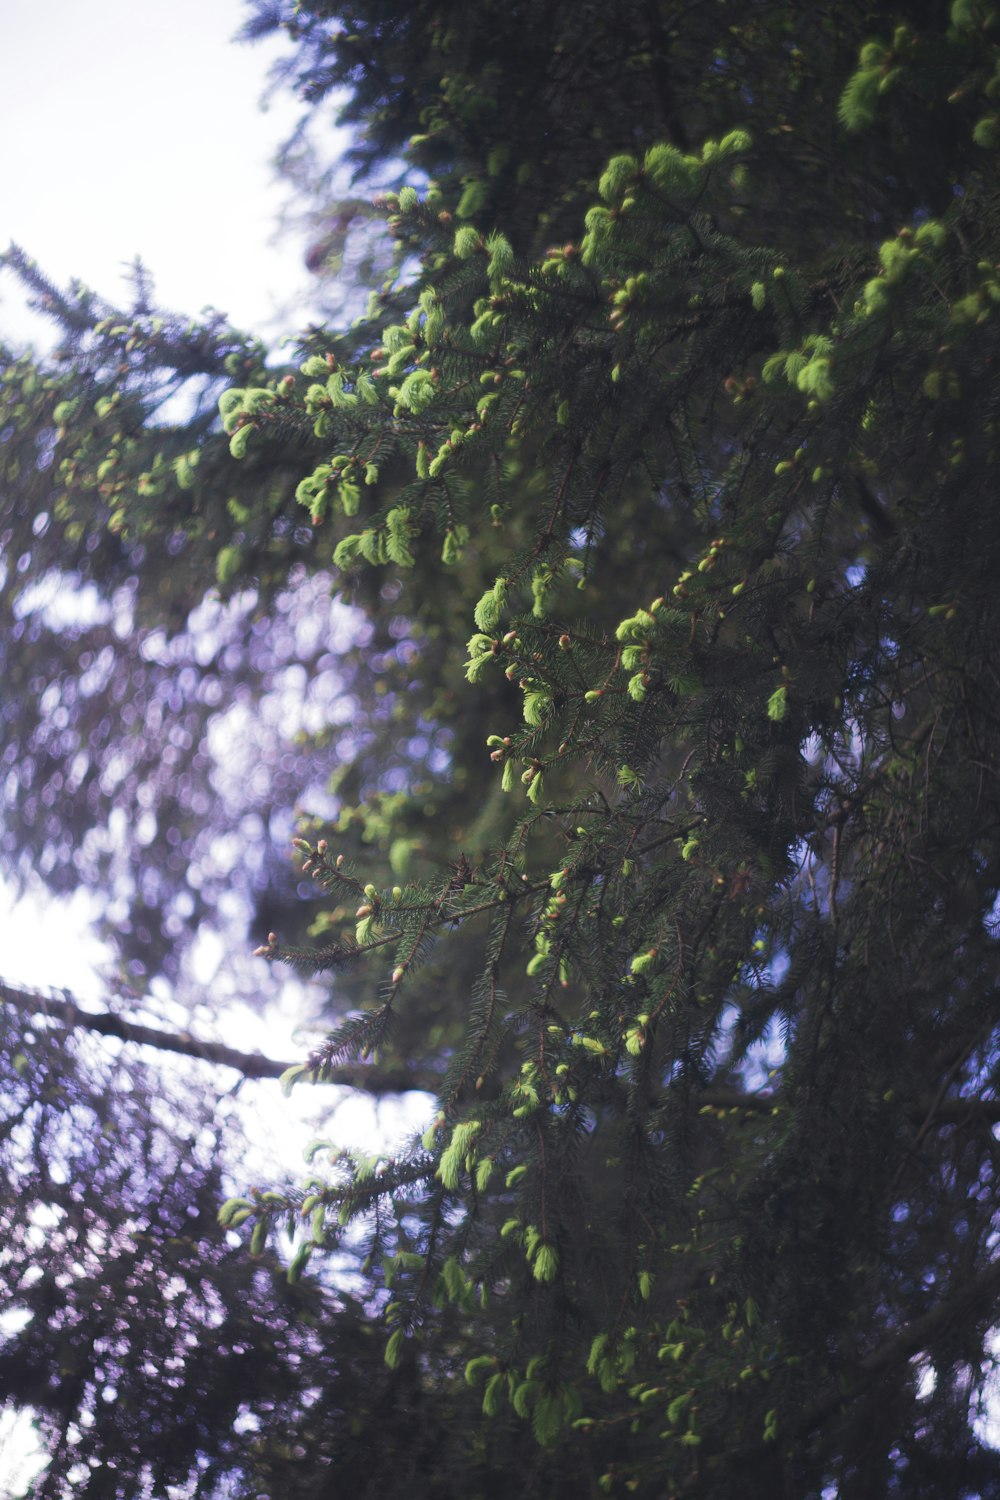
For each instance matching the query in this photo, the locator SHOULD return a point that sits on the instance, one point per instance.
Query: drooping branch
(65, 1011)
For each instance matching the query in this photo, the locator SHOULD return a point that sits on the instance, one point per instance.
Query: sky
(136, 129)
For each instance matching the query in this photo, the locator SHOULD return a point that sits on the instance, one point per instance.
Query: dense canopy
(583, 664)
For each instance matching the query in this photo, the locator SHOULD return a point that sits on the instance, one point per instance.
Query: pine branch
(366, 1077)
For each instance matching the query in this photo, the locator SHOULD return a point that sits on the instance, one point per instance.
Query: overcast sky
(135, 128)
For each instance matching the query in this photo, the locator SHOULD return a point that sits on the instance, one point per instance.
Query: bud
(643, 961)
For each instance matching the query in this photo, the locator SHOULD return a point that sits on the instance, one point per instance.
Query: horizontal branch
(365, 1076)
(372, 1079)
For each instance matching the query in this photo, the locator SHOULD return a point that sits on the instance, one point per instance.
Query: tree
(679, 878)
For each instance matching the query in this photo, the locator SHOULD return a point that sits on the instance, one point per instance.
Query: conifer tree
(665, 830)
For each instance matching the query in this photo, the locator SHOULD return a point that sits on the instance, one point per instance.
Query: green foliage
(676, 881)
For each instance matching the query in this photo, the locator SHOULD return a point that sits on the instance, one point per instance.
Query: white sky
(131, 127)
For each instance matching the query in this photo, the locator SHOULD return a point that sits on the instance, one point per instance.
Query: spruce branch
(65, 1011)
